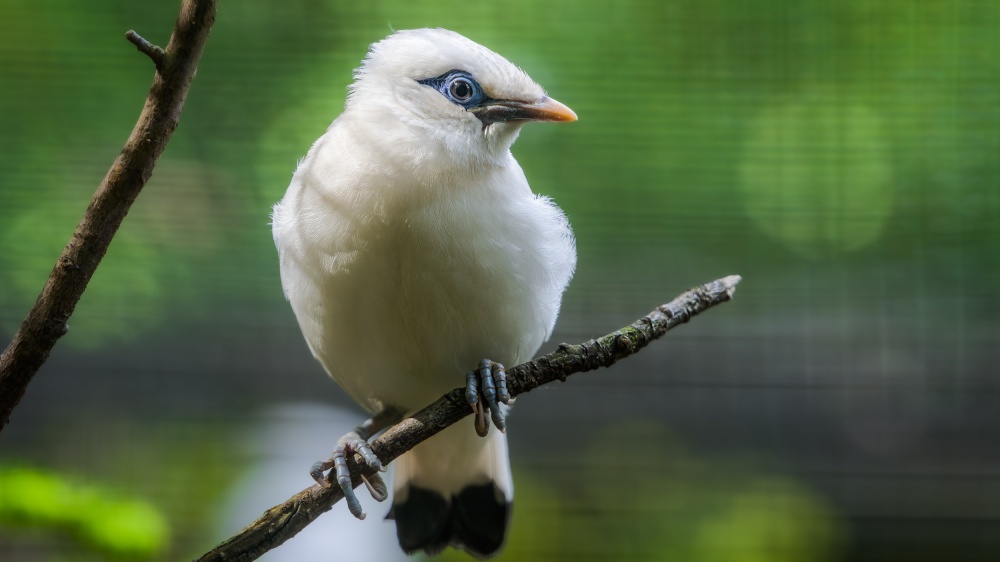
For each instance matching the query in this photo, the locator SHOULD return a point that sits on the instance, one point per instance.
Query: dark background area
(843, 157)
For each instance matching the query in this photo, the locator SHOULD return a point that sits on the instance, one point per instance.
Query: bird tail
(454, 489)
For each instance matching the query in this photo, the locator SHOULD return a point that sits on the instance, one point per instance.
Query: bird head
(434, 86)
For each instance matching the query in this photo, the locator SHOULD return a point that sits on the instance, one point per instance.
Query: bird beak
(545, 109)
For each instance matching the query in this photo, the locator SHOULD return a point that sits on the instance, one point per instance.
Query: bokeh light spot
(816, 174)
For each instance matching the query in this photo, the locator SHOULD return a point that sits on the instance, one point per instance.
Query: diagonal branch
(46, 323)
(284, 521)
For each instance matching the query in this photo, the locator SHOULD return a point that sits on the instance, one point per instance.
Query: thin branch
(284, 521)
(152, 51)
(46, 322)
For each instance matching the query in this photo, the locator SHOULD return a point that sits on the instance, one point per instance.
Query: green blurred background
(843, 156)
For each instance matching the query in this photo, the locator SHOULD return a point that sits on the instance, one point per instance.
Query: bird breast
(399, 293)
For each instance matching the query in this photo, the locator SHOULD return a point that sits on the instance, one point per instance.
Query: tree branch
(284, 521)
(46, 322)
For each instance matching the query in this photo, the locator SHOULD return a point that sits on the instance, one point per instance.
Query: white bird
(411, 248)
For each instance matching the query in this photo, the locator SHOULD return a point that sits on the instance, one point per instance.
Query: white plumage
(411, 246)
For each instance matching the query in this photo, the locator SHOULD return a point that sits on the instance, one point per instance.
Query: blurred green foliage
(95, 515)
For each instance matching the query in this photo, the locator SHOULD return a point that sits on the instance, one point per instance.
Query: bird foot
(347, 447)
(485, 390)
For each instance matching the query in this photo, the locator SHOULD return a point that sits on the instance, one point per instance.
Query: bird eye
(461, 89)
(458, 87)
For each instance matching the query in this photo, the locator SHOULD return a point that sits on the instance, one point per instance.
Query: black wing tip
(474, 520)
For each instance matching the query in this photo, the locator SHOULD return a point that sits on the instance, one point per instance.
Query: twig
(152, 51)
(284, 521)
(46, 322)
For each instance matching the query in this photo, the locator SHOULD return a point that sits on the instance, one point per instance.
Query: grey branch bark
(284, 521)
(46, 322)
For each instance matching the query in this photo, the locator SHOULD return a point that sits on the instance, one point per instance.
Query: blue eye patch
(459, 87)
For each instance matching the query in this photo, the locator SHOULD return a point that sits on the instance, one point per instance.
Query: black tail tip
(474, 520)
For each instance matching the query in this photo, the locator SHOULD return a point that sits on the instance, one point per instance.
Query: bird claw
(489, 381)
(348, 446)
(376, 487)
